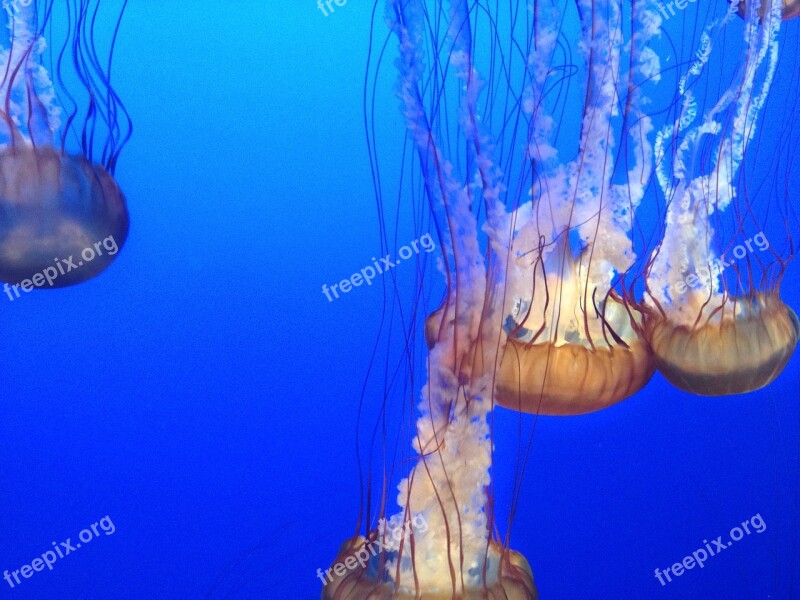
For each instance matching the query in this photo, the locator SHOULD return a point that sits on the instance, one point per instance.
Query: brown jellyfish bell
(734, 346)
(57, 210)
(353, 578)
(567, 352)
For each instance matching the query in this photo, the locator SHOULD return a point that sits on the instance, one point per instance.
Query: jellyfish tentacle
(448, 422)
(30, 97)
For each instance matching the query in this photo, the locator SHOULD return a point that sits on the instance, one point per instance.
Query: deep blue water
(202, 393)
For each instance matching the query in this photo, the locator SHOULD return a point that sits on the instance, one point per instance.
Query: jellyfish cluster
(62, 128)
(556, 303)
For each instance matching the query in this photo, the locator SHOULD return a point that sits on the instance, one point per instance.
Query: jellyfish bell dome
(578, 377)
(354, 576)
(566, 351)
(59, 213)
(735, 346)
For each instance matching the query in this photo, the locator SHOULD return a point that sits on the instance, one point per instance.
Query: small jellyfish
(63, 217)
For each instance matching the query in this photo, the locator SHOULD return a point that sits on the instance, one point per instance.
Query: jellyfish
(552, 302)
(715, 320)
(63, 217)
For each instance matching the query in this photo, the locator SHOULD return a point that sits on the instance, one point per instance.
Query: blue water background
(203, 393)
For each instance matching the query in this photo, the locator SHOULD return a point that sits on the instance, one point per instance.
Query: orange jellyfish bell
(572, 378)
(568, 378)
(738, 346)
(59, 215)
(349, 579)
(574, 353)
(567, 353)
